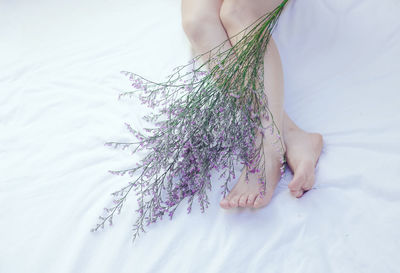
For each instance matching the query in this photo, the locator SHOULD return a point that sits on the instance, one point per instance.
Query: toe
(243, 200)
(297, 194)
(303, 180)
(224, 203)
(297, 184)
(234, 202)
(309, 183)
(250, 200)
(261, 201)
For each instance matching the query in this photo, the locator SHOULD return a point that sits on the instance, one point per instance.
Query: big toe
(296, 185)
(261, 201)
(302, 181)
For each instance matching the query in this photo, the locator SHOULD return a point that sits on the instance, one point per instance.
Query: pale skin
(207, 23)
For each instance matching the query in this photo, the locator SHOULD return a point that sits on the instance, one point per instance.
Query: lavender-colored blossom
(206, 120)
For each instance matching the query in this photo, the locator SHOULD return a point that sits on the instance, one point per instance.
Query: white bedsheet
(59, 82)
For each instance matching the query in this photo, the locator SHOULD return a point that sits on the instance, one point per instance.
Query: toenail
(299, 194)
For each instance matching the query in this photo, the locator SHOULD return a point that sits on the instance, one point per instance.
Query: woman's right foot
(247, 193)
(302, 154)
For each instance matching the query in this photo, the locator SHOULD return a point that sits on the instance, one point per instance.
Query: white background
(59, 83)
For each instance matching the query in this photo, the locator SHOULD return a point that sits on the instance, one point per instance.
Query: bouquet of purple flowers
(207, 115)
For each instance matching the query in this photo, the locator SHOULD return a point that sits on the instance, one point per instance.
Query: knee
(234, 13)
(197, 25)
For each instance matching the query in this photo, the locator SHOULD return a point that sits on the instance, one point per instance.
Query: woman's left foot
(303, 151)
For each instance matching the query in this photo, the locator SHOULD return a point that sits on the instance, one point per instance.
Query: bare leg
(236, 16)
(201, 22)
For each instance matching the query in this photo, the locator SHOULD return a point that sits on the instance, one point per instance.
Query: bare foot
(247, 193)
(303, 151)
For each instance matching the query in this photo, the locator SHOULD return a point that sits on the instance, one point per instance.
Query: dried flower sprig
(206, 119)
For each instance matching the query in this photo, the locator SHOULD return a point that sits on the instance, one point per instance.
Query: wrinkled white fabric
(59, 83)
